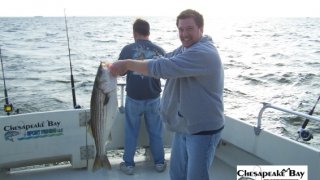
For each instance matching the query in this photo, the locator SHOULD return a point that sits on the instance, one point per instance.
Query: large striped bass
(103, 110)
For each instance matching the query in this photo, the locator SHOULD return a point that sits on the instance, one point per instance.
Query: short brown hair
(142, 27)
(189, 13)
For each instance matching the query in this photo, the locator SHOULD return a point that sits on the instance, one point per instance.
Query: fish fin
(106, 100)
(109, 138)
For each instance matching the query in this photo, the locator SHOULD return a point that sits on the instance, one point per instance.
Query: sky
(212, 8)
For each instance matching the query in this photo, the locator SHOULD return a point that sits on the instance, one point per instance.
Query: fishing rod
(8, 107)
(305, 134)
(72, 81)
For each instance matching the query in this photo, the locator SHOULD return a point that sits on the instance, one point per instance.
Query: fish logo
(245, 178)
(10, 134)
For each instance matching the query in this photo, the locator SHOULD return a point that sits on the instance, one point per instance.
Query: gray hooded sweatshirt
(192, 100)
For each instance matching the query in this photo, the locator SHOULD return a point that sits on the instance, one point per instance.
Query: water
(275, 60)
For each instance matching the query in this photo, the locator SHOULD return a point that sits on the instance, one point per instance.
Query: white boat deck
(143, 170)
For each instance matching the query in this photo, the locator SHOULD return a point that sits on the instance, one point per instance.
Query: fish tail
(105, 162)
(101, 162)
(97, 164)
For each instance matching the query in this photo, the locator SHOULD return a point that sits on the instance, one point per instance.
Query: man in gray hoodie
(192, 100)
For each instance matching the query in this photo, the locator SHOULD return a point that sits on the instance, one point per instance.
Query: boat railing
(122, 85)
(258, 128)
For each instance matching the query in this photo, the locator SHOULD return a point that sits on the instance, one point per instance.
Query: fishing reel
(305, 134)
(8, 108)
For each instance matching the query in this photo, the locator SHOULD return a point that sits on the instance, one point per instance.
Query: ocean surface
(274, 60)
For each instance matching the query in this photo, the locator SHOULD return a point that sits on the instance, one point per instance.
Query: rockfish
(103, 110)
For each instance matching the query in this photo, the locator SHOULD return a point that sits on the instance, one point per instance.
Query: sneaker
(129, 170)
(160, 167)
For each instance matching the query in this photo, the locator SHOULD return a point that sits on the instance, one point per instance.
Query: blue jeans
(134, 109)
(192, 156)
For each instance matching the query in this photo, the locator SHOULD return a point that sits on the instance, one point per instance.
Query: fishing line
(8, 107)
(72, 80)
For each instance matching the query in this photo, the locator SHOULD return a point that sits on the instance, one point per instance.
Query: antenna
(8, 108)
(72, 81)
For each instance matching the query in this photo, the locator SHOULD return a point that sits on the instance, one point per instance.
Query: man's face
(189, 32)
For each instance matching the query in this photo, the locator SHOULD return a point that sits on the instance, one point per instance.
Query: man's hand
(118, 68)
(121, 67)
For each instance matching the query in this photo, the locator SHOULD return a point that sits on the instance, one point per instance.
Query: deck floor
(143, 170)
